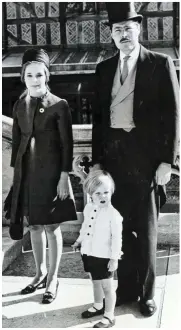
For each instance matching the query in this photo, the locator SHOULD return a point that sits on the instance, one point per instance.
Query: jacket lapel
(109, 76)
(144, 73)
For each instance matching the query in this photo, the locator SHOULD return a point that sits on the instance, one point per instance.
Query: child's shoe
(87, 314)
(105, 323)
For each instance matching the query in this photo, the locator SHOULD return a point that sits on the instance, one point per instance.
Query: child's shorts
(97, 267)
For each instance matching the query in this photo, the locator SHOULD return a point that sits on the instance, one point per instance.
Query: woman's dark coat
(42, 147)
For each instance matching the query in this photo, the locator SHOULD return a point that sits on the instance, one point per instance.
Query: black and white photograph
(90, 164)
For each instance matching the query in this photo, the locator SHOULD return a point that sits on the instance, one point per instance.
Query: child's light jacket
(101, 232)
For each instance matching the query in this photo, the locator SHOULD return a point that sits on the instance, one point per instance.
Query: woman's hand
(112, 265)
(63, 187)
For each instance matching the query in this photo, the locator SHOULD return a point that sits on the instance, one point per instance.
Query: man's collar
(134, 54)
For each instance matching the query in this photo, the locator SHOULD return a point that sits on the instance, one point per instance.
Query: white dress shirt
(101, 232)
(131, 62)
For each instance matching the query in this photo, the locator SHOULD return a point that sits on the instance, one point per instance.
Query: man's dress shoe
(147, 307)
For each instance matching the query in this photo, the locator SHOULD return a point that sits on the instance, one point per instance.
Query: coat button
(92, 218)
(41, 110)
(95, 210)
(89, 225)
(88, 234)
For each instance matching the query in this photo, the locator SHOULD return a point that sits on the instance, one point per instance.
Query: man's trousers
(136, 197)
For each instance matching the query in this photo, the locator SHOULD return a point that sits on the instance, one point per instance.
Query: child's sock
(97, 306)
(98, 296)
(110, 315)
(110, 298)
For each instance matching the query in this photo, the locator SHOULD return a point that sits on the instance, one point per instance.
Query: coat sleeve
(16, 136)
(116, 236)
(97, 122)
(64, 121)
(169, 103)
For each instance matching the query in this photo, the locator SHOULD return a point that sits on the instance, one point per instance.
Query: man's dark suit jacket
(155, 108)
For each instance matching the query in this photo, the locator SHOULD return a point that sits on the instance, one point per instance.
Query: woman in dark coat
(42, 150)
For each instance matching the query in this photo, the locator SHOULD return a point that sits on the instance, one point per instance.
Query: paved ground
(75, 296)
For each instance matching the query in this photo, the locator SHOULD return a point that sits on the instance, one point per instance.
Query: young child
(100, 240)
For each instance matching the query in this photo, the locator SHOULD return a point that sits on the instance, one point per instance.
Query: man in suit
(135, 136)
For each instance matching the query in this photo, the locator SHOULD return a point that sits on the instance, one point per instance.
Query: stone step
(12, 249)
(169, 229)
(171, 207)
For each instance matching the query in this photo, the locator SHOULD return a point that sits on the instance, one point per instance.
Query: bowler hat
(122, 11)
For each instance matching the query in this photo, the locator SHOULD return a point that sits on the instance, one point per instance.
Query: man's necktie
(125, 70)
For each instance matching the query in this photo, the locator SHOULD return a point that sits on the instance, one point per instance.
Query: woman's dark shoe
(32, 288)
(108, 324)
(48, 296)
(148, 307)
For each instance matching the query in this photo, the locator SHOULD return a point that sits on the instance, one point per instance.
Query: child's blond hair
(93, 181)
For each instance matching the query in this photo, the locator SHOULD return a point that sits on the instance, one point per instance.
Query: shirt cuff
(166, 164)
